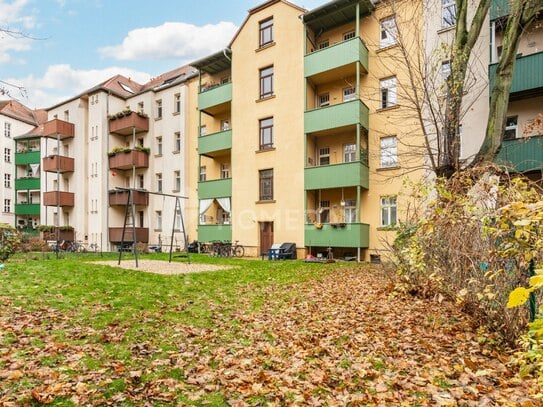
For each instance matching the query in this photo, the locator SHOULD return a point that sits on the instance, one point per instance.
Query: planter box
(58, 198)
(115, 235)
(62, 235)
(127, 124)
(120, 198)
(125, 160)
(54, 163)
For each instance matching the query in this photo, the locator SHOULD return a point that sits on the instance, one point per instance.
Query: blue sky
(79, 43)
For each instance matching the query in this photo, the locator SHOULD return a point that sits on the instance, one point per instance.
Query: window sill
(158, 155)
(446, 29)
(271, 201)
(176, 113)
(263, 99)
(265, 150)
(382, 169)
(175, 191)
(158, 230)
(157, 119)
(391, 228)
(386, 109)
(176, 152)
(265, 46)
(388, 47)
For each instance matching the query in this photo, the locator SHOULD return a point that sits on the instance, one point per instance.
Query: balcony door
(266, 236)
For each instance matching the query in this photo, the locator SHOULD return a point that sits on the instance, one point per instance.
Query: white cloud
(61, 82)
(172, 40)
(12, 15)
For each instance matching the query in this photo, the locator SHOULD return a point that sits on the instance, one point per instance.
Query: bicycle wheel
(238, 251)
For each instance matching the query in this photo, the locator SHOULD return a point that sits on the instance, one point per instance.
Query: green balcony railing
(338, 235)
(336, 176)
(209, 233)
(521, 155)
(499, 8)
(342, 114)
(527, 74)
(335, 56)
(219, 188)
(215, 142)
(27, 183)
(215, 96)
(30, 157)
(27, 209)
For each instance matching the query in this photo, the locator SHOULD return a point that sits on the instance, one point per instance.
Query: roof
(336, 13)
(18, 111)
(215, 63)
(171, 78)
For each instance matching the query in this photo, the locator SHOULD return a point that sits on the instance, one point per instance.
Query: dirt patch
(163, 267)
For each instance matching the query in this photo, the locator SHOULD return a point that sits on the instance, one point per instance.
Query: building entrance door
(266, 236)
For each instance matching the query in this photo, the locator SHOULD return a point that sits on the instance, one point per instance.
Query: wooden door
(266, 236)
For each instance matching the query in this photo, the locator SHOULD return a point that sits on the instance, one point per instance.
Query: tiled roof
(18, 111)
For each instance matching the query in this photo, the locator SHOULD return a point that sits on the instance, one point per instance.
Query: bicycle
(237, 250)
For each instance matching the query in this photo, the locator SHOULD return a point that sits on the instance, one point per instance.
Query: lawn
(258, 333)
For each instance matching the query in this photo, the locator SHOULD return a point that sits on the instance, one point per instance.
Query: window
(225, 170)
(7, 180)
(446, 69)
(139, 142)
(159, 182)
(225, 125)
(203, 173)
(203, 130)
(389, 32)
(349, 94)
(266, 133)
(324, 156)
(177, 220)
(511, 128)
(177, 139)
(389, 152)
(66, 115)
(388, 211)
(448, 13)
(349, 35)
(324, 44)
(7, 155)
(177, 103)
(266, 82)
(140, 107)
(7, 129)
(158, 220)
(349, 153)
(350, 211)
(266, 32)
(7, 205)
(159, 145)
(159, 109)
(388, 92)
(177, 180)
(323, 214)
(266, 185)
(141, 181)
(324, 100)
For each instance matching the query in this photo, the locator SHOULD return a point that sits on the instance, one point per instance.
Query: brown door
(266, 236)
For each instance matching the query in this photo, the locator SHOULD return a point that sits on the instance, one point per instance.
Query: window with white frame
(141, 181)
(388, 211)
(7, 205)
(349, 153)
(140, 107)
(66, 115)
(388, 92)
(389, 32)
(511, 127)
(159, 145)
(158, 182)
(324, 100)
(177, 220)
(7, 155)
(7, 129)
(177, 103)
(203, 130)
(177, 181)
(158, 105)
(446, 69)
(7, 180)
(448, 13)
(324, 44)
(349, 94)
(349, 35)
(225, 170)
(389, 152)
(324, 156)
(323, 214)
(203, 173)
(350, 211)
(158, 220)
(177, 142)
(225, 125)
(266, 32)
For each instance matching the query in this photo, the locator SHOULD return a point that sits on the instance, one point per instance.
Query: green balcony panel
(209, 233)
(216, 142)
(331, 117)
(31, 157)
(27, 183)
(336, 176)
(527, 74)
(339, 235)
(215, 96)
(499, 8)
(219, 188)
(338, 55)
(522, 155)
(27, 209)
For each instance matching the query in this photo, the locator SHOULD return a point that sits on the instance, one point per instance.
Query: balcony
(527, 75)
(336, 176)
(116, 234)
(62, 233)
(27, 209)
(215, 99)
(29, 157)
(331, 117)
(522, 155)
(499, 8)
(215, 189)
(58, 163)
(339, 58)
(339, 235)
(215, 144)
(209, 233)
(120, 198)
(57, 129)
(58, 198)
(27, 183)
(125, 125)
(124, 160)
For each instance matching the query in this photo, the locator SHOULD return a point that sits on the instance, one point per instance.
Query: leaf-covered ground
(338, 336)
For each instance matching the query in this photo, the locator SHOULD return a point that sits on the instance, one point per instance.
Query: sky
(71, 45)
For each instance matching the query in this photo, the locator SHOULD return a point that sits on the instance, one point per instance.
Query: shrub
(10, 241)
